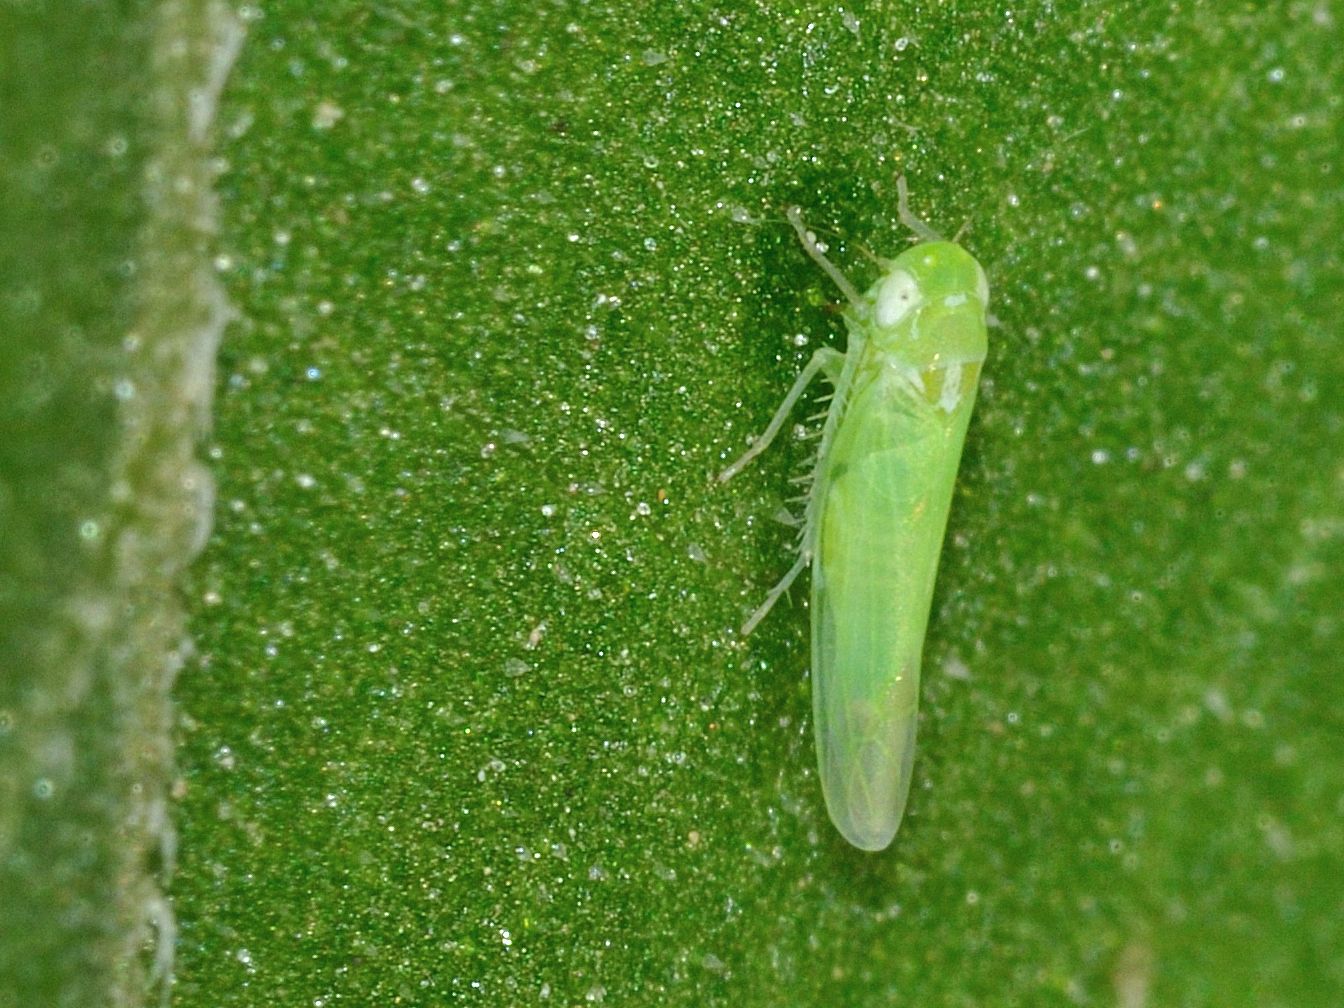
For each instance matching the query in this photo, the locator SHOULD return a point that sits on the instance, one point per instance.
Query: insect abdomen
(881, 531)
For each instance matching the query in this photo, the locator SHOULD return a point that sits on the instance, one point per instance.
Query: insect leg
(826, 359)
(775, 593)
(819, 257)
(921, 230)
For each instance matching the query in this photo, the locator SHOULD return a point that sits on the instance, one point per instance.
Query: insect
(877, 510)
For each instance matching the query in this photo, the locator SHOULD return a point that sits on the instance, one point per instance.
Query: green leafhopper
(877, 511)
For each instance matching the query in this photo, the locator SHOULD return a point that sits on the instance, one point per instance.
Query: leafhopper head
(928, 312)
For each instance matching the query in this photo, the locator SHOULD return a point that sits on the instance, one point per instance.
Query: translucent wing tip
(869, 827)
(874, 841)
(867, 785)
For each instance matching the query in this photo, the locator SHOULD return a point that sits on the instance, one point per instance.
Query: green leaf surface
(471, 722)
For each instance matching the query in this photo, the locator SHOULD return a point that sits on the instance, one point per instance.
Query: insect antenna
(741, 215)
(870, 255)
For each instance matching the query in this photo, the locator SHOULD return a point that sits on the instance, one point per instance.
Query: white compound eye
(897, 295)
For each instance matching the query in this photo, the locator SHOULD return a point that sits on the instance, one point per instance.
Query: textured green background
(470, 722)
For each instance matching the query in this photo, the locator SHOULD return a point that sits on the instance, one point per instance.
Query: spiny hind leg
(775, 593)
(826, 359)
